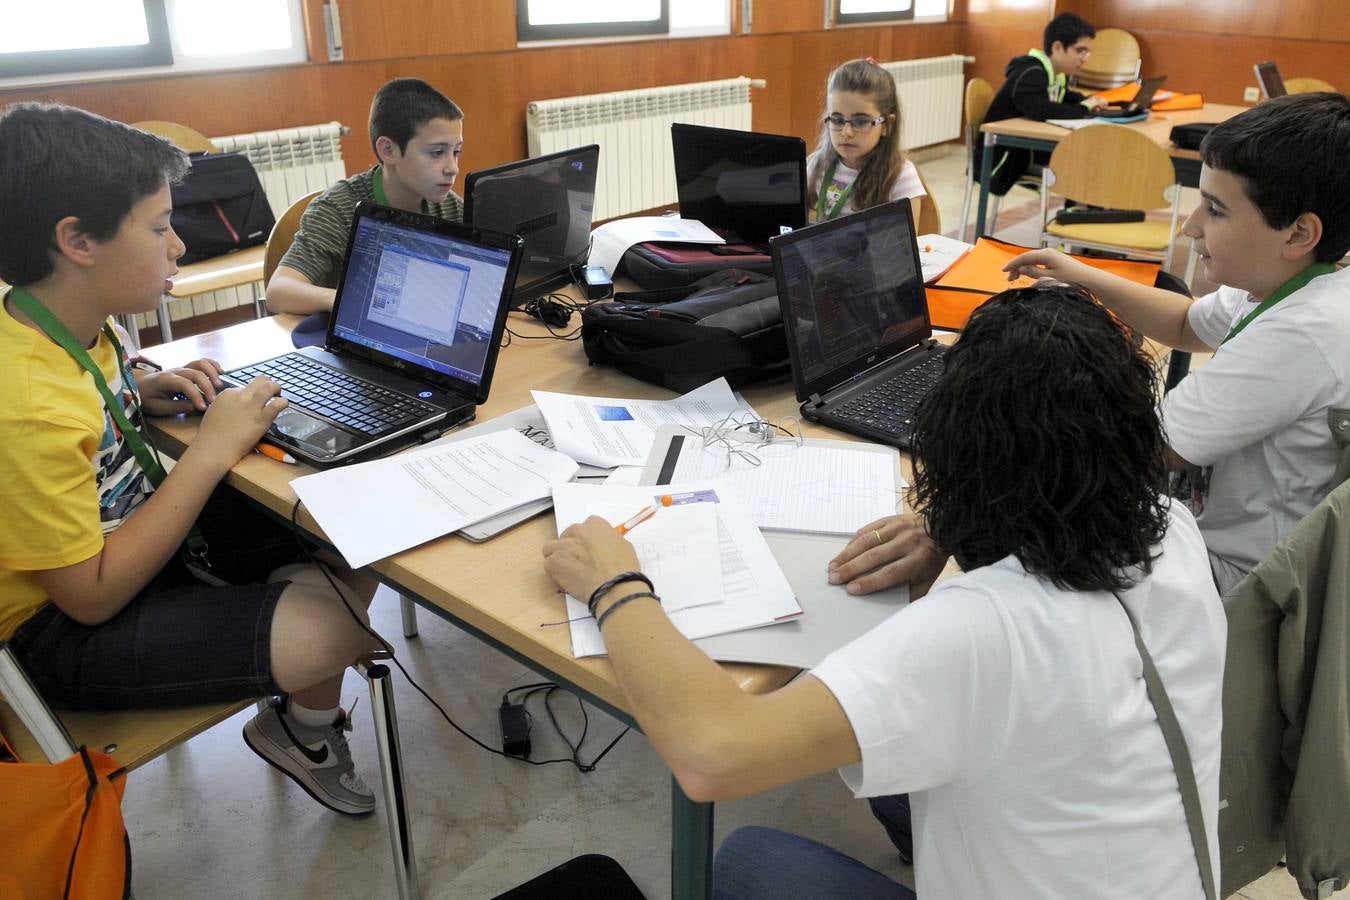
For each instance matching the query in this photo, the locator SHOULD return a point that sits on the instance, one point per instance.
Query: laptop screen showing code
(853, 289)
(425, 298)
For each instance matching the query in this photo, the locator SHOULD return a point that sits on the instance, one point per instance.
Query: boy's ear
(385, 148)
(73, 242)
(1304, 236)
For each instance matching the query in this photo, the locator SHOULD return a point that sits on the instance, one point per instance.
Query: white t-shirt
(1016, 715)
(907, 185)
(1257, 413)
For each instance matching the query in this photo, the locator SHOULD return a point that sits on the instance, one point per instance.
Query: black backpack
(727, 324)
(220, 206)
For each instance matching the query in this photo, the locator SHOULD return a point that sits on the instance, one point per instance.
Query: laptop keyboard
(889, 405)
(360, 405)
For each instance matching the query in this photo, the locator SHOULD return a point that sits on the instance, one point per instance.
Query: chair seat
(1145, 235)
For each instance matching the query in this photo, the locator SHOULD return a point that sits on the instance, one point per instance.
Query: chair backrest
(189, 140)
(1112, 166)
(283, 233)
(979, 97)
(1114, 60)
(930, 217)
(1307, 85)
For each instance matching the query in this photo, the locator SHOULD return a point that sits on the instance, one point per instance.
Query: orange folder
(1163, 101)
(979, 275)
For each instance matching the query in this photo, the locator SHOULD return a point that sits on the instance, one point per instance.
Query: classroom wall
(471, 55)
(1211, 46)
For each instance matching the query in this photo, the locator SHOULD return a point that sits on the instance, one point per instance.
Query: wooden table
(497, 590)
(1033, 135)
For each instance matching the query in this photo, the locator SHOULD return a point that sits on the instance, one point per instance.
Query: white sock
(311, 718)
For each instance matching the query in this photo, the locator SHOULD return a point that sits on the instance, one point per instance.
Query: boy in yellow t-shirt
(94, 596)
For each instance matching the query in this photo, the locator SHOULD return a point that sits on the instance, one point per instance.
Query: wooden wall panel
(998, 30)
(1316, 20)
(415, 28)
(775, 16)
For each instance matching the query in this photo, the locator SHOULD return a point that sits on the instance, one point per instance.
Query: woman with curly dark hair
(1009, 702)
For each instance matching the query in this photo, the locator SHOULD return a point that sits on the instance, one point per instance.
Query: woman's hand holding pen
(586, 555)
(888, 552)
(190, 388)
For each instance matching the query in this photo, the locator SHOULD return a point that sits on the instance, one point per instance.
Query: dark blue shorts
(179, 641)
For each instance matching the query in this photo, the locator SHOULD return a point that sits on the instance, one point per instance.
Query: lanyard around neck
(838, 207)
(55, 329)
(377, 182)
(1293, 284)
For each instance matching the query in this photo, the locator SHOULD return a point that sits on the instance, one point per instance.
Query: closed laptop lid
(425, 297)
(1271, 81)
(851, 291)
(548, 201)
(750, 184)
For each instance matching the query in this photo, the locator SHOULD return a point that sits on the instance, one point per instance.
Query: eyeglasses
(1083, 50)
(860, 124)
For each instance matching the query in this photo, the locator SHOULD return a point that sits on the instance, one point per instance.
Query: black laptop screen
(854, 290)
(750, 185)
(548, 201)
(424, 298)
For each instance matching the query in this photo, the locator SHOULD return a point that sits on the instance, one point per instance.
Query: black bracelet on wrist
(609, 585)
(627, 598)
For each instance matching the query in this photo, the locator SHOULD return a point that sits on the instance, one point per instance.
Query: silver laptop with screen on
(411, 345)
(856, 319)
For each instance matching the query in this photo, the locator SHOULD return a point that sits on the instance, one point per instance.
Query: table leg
(691, 845)
(986, 173)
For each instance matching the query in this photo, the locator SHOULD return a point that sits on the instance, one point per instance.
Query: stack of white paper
(375, 509)
(938, 253)
(754, 591)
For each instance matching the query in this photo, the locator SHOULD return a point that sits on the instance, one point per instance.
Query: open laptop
(744, 185)
(856, 319)
(1142, 102)
(548, 201)
(1271, 81)
(412, 342)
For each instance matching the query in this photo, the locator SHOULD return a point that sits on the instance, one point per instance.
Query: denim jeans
(893, 813)
(757, 863)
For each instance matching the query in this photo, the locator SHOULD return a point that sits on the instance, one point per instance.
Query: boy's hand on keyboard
(237, 420)
(888, 552)
(172, 391)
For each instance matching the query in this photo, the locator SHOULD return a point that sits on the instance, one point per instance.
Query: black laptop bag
(726, 325)
(1190, 136)
(220, 206)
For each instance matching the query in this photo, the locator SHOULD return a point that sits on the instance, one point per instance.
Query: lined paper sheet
(812, 488)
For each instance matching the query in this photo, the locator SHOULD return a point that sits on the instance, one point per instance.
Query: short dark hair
(402, 106)
(1067, 28)
(1293, 156)
(1042, 441)
(58, 161)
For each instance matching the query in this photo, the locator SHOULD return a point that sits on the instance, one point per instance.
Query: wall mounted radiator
(637, 170)
(291, 162)
(931, 98)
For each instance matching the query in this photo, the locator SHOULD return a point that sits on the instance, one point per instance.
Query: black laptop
(856, 319)
(1271, 81)
(744, 185)
(548, 201)
(411, 344)
(1142, 102)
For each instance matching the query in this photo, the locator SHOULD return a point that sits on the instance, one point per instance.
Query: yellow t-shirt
(69, 478)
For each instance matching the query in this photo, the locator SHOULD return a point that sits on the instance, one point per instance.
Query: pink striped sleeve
(908, 184)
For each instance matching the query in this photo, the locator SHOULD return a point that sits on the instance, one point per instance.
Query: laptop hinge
(814, 401)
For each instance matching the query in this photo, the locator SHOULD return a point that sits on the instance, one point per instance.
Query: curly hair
(1042, 441)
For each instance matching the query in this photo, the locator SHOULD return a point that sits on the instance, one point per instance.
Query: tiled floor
(211, 820)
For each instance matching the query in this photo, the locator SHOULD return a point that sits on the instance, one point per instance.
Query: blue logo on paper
(425, 395)
(614, 414)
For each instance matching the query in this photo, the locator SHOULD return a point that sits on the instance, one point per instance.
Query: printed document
(754, 589)
(378, 508)
(611, 240)
(676, 546)
(608, 432)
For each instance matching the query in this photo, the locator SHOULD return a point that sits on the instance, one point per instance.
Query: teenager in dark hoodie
(1035, 87)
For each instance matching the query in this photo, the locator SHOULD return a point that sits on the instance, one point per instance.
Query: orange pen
(275, 452)
(635, 520)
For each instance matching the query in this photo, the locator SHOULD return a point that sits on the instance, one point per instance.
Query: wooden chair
(930, 217)
(1114, 61)
(279, 241)
(189, 140)
(135, 737)
(979, 97)
(1117, 168)
(1307, 86)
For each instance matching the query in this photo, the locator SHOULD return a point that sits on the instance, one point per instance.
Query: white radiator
(637, 170)
(291, 163)
(931, 97)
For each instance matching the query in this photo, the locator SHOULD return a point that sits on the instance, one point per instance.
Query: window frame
(157, 52)
(840, 18)
(528, 33)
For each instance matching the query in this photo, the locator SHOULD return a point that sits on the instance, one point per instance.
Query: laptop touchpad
(314, 436)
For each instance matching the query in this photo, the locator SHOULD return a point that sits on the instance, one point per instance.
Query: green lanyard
(377, 182)
(55, 329)
(1293, 284)
(821, 214)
